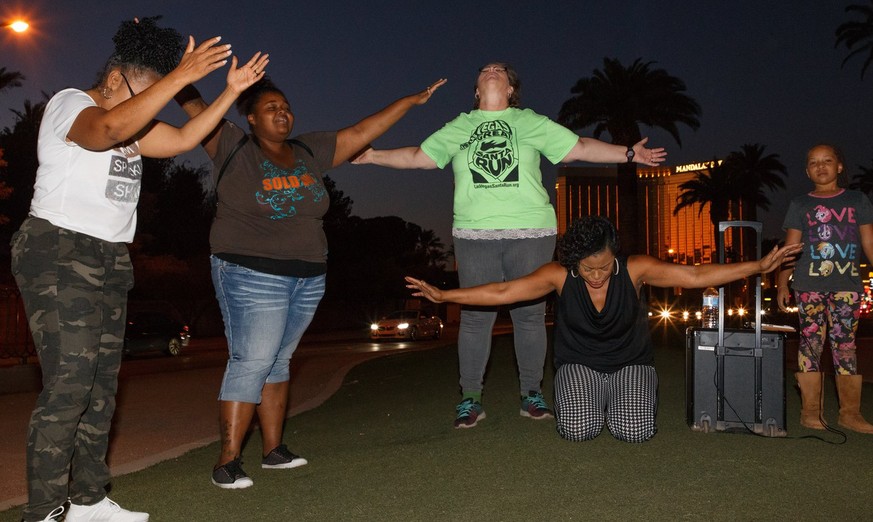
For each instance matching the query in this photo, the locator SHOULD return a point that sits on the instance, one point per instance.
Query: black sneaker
(231, 476)
(282, 458)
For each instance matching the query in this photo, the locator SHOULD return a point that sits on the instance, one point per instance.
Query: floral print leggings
(834, 312)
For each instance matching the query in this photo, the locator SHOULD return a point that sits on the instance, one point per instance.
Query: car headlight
(374, 326)
(403, 326)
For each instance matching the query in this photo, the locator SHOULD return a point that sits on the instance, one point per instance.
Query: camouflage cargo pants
(74, 289)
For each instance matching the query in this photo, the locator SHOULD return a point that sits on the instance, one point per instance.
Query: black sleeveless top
(610, 339)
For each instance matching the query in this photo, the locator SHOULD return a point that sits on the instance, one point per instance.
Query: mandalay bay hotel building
(686, 237)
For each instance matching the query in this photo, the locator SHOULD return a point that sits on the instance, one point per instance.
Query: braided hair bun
(141, 45)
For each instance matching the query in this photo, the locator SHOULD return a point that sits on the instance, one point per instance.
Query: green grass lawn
(383, 448)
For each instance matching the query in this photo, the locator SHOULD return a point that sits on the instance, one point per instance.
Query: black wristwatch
(630, 154)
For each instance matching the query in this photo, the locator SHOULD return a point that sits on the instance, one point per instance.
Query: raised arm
(96, 128)
(351, 140)
(163, 140)
(646, 269)
(547, 278)
(596, 151)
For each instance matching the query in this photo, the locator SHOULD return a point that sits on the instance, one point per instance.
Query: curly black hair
(140, 45)
(587, 236)
(248, 98)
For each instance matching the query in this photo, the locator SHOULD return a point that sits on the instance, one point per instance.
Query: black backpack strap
(242, 141)
(302, 146)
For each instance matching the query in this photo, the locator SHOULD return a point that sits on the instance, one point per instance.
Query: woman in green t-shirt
(504, 224)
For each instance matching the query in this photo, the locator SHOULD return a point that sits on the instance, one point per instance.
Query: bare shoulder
(641, 262)
(640, 267)
(553, 273)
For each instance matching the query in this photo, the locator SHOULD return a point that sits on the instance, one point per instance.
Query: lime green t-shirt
(495, 156)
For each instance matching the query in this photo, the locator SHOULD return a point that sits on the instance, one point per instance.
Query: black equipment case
(735, 378)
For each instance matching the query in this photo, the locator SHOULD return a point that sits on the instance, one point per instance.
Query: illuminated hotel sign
(689, 167)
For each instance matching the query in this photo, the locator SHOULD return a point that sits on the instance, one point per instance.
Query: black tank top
(610, 339)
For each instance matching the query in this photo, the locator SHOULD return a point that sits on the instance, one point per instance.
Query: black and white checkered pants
(625, 400)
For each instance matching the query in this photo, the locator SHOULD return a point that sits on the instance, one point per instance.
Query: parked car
(407, 324)
(154, 331)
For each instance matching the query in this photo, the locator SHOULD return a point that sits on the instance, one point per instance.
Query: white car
(407, 324)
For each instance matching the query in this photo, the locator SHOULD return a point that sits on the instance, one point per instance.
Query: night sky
(763, 72)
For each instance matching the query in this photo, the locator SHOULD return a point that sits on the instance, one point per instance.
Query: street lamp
(19, 26)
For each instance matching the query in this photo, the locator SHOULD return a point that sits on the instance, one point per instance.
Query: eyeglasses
(129, 88)
(494, 68)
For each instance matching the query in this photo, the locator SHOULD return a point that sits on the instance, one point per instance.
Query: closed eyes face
(597, 268)
(493, 76)
(272, 111)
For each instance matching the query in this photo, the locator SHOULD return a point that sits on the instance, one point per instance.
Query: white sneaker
(103, 511)
(53, 516)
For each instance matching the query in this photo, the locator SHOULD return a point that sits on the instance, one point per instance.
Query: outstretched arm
(646, 269)
(547, 278)
(403, 158)
(163, 140)
(96, 128)
(596, 151)
(351, 140)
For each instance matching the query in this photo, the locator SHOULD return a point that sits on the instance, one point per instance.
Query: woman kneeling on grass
(603, 351)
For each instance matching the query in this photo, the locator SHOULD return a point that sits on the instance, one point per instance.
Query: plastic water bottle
(709, 311)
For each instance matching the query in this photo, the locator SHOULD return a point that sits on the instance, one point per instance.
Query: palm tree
(715, 187)
(618, 100)
(432, 248)
(753, 172)
(735, 189)
(9, 79)
(857, 36)
(863, 181)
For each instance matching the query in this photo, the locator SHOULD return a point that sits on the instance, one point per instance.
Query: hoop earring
(106, 90)
(573, 273)
(617, 267)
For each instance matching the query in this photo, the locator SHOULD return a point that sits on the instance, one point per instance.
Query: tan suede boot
(849, 389)
(810, 393)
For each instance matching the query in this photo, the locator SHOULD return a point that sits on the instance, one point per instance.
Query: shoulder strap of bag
(242, 141)
(302, 146)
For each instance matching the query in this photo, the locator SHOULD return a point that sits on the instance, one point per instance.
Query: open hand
(201, 60)
(425, 290)
(777, 256)
(650, 157)
(425, 95)
(240, 79)
(364, 157)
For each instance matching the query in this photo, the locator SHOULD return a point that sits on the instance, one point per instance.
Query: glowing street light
(19, 26)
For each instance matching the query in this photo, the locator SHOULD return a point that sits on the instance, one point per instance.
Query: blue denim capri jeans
(265, 316)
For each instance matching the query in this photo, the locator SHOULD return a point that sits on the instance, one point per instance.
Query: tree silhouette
(857, 36)
(863, 181)
(735, 188)
(19, 146)
(10, 79)
(714, 187)
(617, 100)
(754, 171)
